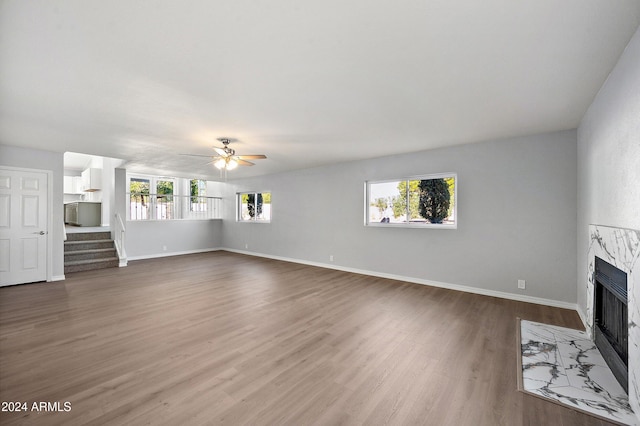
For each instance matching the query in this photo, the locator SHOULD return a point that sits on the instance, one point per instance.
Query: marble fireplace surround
(621, 248)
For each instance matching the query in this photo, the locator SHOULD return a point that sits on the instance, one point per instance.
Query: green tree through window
(422, 200)
(254, 206)
(434, 200)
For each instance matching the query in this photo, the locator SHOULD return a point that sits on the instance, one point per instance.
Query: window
(254, 206)
(151, 198)
(139, 198)
(198, 192)
(427, 201)
(165, 206)
(167, 198)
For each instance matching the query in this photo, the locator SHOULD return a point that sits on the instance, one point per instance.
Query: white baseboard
(173, 253)
(457, 287)
(583, 317)
(57, 278)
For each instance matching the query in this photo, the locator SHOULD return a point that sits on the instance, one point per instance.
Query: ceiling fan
(227, 158)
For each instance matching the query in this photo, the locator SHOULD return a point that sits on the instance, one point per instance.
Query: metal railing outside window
(170, 207)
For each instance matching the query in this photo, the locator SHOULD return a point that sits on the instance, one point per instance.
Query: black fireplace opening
(611, 327)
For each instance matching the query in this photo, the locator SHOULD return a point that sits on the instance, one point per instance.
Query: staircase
(89, 250)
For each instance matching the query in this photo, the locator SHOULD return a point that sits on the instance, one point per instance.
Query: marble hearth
(621, 248)
(564, 365)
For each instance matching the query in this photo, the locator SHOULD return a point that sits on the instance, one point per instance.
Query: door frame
(49, 173)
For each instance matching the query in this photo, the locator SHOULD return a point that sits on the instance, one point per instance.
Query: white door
(23, 226)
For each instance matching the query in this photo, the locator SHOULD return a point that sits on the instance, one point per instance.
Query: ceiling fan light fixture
(227, 158)
(220, 164)
(232, 164)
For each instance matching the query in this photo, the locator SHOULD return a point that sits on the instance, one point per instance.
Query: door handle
(40, 233)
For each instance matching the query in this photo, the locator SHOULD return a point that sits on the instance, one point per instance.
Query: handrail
(119, 240)
(173, 207)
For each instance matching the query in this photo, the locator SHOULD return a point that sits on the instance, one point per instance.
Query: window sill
(174, 220)
(412, 225)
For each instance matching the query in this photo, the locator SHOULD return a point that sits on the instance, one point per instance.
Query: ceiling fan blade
(198, 155)
(252, 157)
(243, 162)
(220, 151)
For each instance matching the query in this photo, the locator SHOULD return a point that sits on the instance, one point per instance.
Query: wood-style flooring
(224, 338)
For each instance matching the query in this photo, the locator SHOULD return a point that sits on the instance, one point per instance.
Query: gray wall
(148, 238)
(516, 217)
(44, 160)
(609, 157)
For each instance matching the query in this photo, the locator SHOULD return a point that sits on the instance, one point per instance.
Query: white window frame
(153, 193)
(189, 207)
(425, 225)
(181, 200)
(239, 207)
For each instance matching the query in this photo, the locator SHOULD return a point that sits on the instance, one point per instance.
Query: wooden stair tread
(88, 251)
(76, 242)
(87, 261)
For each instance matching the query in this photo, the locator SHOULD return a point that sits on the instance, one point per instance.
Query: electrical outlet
(246, 246)
(164, 248)
(330, 258)
(522, 284)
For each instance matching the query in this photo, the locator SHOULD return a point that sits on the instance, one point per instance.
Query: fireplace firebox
(611, 331)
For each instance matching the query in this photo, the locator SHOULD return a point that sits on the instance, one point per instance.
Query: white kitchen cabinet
(92, 180)
(73, 185)
(68, 185)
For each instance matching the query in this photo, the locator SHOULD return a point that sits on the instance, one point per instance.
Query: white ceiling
(306, 83)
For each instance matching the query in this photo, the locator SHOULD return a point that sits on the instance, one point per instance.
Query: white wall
(44, 160)
(516, 217)
(609, 157)
(107, 194)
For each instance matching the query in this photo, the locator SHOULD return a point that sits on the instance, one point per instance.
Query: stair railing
(119, 240)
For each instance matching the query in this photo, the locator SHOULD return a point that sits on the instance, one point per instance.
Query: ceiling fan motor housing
(227, 150)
